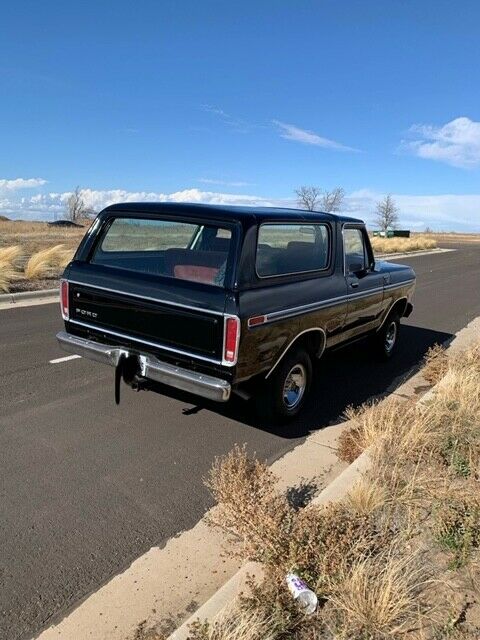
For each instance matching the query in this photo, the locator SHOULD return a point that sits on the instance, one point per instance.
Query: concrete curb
(407, 254)
(24, 296)
(335, 491)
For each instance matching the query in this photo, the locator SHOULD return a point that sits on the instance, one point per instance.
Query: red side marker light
(252, 322)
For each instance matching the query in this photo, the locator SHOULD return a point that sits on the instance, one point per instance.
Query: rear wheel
(386, 339)
(286, 390)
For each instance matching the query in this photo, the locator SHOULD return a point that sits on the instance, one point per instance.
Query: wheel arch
(314, 340)
(399, 306)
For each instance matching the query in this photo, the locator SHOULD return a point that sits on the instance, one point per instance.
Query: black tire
(274, 402)
(386, 340)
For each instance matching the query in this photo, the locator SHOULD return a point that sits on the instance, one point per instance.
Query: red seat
(195, 272)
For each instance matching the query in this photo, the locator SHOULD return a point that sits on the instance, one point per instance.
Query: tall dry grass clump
(7, 274)
(403, 245)
(379, 597)
(9, 257)
(47, 261)
(10, 254)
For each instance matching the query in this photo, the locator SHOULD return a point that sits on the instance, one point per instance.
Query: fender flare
(292, 342)
(403, 299)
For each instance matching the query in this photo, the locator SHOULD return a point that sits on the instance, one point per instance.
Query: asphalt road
(86, 487)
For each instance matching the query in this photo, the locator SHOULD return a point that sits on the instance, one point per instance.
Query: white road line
(64, 359)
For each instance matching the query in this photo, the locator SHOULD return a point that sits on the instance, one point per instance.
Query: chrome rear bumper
(150, 367)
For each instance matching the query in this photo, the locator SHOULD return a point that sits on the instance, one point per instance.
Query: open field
(35, 236)
(454, 238)
(33, 254)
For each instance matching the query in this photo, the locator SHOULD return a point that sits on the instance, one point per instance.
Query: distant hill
(4, 219)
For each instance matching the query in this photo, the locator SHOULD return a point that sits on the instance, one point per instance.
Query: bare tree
(315, 199)
(386, 215)
(332, 201)
(76, 206)
(308, 197)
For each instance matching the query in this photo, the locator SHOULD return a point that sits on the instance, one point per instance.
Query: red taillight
(231, 338)
(64, 299)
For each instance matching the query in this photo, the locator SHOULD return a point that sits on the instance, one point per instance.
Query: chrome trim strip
(150, 367)
(136, 295)
(147, 342)
(397, 285)
(316, 306)
(319, 355)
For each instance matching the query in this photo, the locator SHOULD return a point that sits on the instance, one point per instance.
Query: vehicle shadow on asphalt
(348, 376)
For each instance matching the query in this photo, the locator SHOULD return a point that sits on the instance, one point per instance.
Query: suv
(217, 300)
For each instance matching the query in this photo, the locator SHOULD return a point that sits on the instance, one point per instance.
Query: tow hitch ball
(128, 368)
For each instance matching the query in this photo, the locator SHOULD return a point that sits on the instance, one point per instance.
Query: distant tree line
(314, 198)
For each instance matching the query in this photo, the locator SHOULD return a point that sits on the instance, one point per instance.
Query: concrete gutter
(408, 254)
(25, 298)
(333, 492)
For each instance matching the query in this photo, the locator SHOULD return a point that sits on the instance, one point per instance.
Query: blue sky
(235, 102)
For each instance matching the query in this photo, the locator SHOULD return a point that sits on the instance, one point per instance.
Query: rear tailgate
(149, 321)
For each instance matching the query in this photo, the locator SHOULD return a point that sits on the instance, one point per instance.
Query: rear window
(292, 248)
(183, 250)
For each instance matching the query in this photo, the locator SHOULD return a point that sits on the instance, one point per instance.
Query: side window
(291, 248)
(356, 258)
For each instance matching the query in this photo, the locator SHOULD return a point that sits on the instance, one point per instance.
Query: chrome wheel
(295, 385)
(391, 336)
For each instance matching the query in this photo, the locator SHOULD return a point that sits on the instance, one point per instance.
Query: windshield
(175, 249)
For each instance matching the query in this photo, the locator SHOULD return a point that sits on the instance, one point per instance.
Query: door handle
(354, 285)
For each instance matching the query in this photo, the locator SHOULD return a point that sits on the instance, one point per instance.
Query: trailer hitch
(128, 369)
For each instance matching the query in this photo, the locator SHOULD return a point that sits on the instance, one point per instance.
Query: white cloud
(21, 183)
(457, 143)
(46, 205)
(236, 124)
(441, 212)
(292, 132)
(224, 183)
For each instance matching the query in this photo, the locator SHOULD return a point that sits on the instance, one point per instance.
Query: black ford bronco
(214, 300)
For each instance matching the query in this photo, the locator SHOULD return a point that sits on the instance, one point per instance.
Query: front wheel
(286, 390)
(387, 338)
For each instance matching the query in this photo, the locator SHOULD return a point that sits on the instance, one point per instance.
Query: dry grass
(236, 623)
(9, 257)
(249, 508)
(367, 496)
(403, 245)
(412, 520)
(48, 261)
(33, 254)
(435, 364)
(7, 275)
(36, 236)
(378, 597)
(10, 254)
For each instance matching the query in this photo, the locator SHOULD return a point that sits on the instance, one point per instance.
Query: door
(364, 284)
